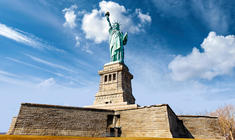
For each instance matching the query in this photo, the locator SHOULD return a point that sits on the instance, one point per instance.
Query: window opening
(105, 78)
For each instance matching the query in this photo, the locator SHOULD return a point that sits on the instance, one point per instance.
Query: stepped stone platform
(113, 114)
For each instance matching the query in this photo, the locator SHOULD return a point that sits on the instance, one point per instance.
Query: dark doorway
(112, 132)
(110, 121)
(119, 132)
(113, 126)
(115, 132)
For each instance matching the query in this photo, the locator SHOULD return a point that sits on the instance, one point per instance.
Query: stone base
(111, 63)
(115, 85)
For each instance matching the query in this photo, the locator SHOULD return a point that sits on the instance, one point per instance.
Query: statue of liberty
(116, 41)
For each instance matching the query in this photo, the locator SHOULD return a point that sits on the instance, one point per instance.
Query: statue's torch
(107, 14)
(107, 17)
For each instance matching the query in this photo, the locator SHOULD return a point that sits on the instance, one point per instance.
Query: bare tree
(226, 116)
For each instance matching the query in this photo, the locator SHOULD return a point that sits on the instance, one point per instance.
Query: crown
(116, 22)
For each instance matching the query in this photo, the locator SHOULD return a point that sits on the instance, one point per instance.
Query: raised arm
(125, 37)
(107, 17)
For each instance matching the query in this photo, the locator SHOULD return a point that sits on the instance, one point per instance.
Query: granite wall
(202, 127)
(149, 121)
(38, 119)
(12, 126)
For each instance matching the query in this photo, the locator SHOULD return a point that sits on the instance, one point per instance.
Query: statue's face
(116, 26)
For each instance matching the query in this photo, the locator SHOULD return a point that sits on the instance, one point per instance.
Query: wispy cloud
(212, 14)
(18, 36)
(169, 8)
(77, 39)
(7, 77)
(8, 74)
(33, 66)
(47, 83)
(25, 38)
(49, 63)
(42, 69)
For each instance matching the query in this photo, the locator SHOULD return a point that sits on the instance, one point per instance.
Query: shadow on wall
(177, 128)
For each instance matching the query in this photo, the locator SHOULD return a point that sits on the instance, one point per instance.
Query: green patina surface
(116, 41)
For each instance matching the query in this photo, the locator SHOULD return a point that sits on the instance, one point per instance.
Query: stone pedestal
(115, 89)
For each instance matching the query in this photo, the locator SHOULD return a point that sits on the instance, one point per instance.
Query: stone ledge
(196, 116)
(116, 107)
(64, 107)
(99, 94)
(114, 67)
(114, 63)
(142, 107)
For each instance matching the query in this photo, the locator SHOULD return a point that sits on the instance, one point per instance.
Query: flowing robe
(116, 42)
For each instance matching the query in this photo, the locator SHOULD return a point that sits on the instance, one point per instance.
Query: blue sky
(181, 52)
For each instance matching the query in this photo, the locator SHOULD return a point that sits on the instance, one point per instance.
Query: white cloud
(70, 16)
(47, 83)
(86, 48)
(25, 38)
(144, 18)
(217, 58)
(81, 13)
(95, 26)
(77, 39)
